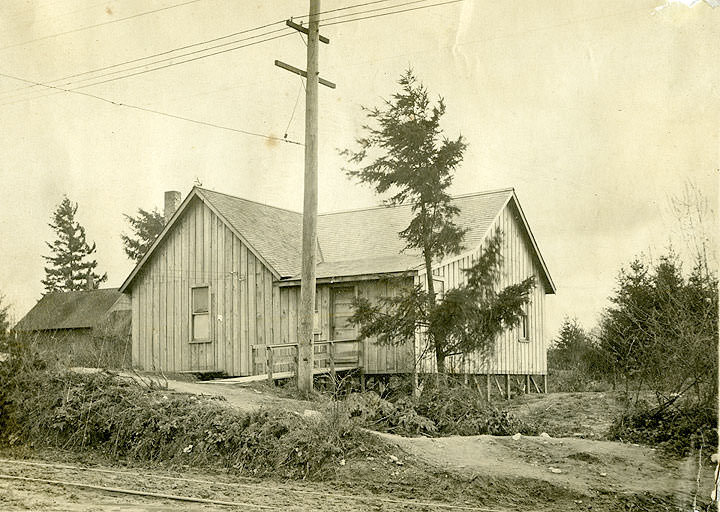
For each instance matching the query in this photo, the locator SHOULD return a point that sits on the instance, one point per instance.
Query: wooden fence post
(527, 384)
(487, 387)
(331, 350)
(269, 361)
(296, 358)
(545, 383)
(507, 386)
(361, 364)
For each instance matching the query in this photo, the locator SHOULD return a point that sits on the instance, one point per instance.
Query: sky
(597, 113)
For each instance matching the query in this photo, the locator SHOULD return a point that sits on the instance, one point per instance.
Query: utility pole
(310, 201)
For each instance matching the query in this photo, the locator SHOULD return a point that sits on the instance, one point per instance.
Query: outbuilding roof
(69, 310)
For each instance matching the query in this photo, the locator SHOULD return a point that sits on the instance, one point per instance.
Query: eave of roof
(401, 263)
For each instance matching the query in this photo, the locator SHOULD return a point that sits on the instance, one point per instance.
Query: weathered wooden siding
(248, 307)
(202, 250)
(511, 355)
(376, 359)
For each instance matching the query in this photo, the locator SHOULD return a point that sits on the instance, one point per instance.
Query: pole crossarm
(305, 31)
(302, 73)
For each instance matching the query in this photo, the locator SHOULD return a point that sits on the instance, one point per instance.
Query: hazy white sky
(596, 112)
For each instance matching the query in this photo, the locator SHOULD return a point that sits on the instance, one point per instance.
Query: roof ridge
(247, 200)
(385, 206)
(83, 291)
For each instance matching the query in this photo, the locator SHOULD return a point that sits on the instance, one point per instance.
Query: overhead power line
(63, 83)
(394, 12)
(88, 27)
(158, 112)
(341, 9)
(73, 89)
(148, 57)
(373, 10)
(125, 73)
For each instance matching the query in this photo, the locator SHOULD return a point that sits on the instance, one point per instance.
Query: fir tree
(4, 318)
(70, 267)
(407, 155)
(146, 227)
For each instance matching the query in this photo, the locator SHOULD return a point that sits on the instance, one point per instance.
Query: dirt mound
(579, 464)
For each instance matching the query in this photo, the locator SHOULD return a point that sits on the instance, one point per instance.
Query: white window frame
(524, 326)
(194, 314)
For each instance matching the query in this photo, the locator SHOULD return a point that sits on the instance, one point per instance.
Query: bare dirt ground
(580, 465)
(245, 398)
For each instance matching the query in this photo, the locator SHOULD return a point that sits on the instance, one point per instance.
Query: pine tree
(146, 227)
(407, 155)
(70, 267)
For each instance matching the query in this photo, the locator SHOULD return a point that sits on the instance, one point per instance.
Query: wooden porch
(280, 361)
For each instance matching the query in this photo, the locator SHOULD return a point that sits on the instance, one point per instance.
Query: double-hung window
(200, 320)
(524, 326)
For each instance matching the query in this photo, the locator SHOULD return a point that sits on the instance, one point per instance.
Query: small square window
(200, 327)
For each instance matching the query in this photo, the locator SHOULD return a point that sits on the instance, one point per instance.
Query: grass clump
(42, 405)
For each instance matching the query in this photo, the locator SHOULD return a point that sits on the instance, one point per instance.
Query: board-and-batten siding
(247, 307)
(202, 250)
(511, 355)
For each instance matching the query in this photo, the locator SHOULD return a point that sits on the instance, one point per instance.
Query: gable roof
(353, 242)
(373, 232)
(69, 310)
(274, 233)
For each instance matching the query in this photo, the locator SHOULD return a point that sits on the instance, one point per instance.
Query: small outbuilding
(88, 327)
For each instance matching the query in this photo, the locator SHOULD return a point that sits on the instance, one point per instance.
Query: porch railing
(280, 361)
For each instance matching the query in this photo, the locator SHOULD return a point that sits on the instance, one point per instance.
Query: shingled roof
(273, 232)
(353, 242)
(373, 232)
(69, 310)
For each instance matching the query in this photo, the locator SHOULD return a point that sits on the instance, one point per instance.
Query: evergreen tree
(146, 227)
(570, 345)
(406, 155)
(70, 267)
(661, 329)
(4, 317)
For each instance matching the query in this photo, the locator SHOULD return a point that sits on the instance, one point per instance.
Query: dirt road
(27, 493)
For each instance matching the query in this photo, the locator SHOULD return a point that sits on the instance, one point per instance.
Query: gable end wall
(511, 356)
(201, 250)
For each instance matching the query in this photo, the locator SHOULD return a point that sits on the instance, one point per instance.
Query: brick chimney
(172, 201)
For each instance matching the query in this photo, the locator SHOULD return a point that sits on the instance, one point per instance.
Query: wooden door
(342, 298)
